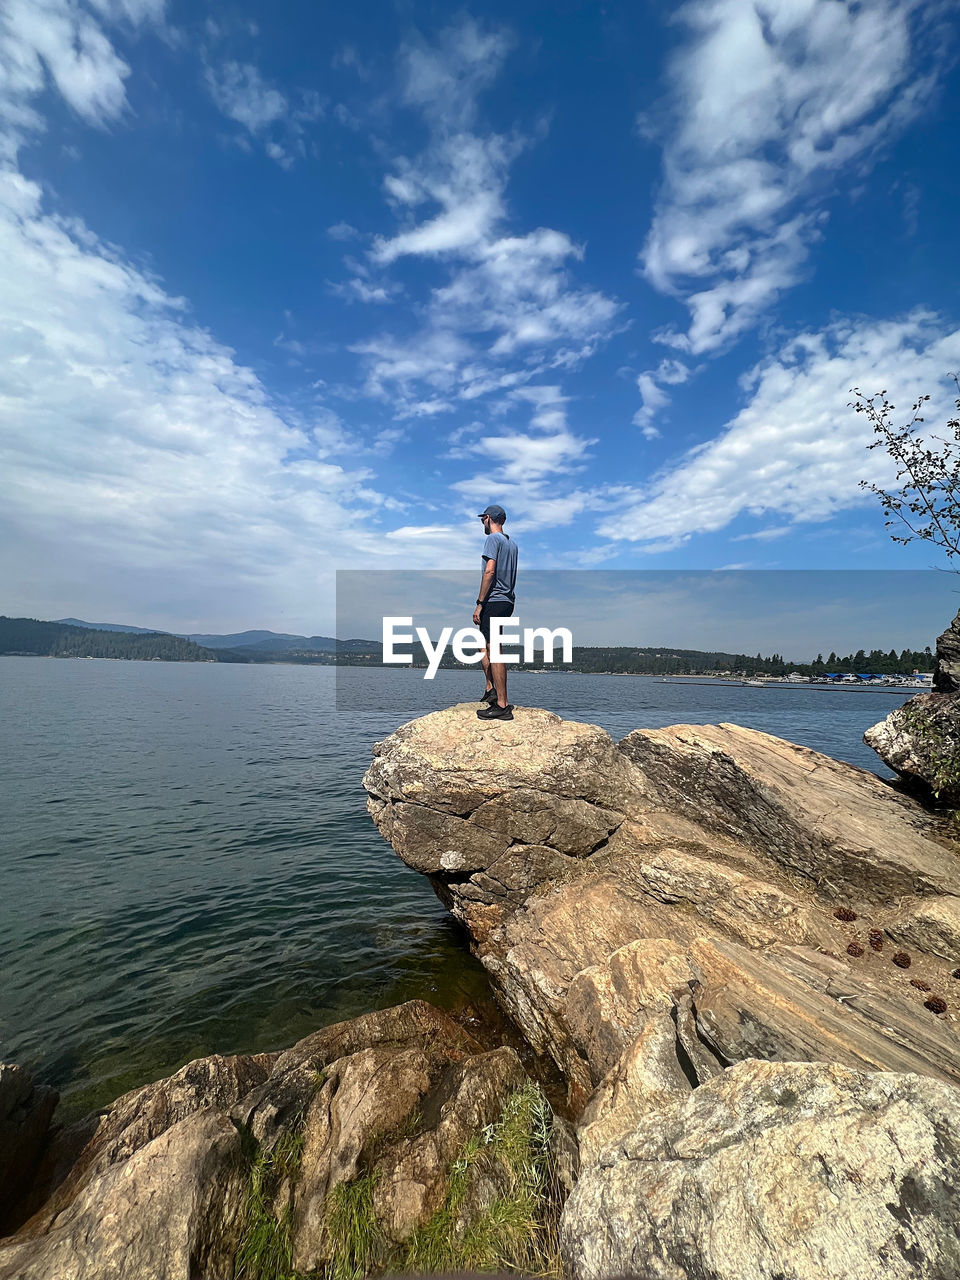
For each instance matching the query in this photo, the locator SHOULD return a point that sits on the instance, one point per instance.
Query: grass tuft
(518, 1231)
(264, 1252)
(358, 1244)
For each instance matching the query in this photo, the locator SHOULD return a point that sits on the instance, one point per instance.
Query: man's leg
(498, 670)
(498, 673)
(485, 664)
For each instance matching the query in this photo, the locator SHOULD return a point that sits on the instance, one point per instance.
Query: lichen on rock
(920, 741)
(777, 1169)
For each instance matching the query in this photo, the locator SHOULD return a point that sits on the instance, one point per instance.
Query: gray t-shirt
(503, 550)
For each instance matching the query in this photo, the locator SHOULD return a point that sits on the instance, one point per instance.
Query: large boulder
(744, 887)
(170, 1211)
(920, 740)
(85, 1150)
(387, 1114)
(946, 672)
(146, 1188)
(788, 1170)
(387, 1140)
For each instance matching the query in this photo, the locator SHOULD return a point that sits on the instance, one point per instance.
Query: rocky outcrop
(739, 953)
(382, 1108)
(691, 871)
(920, 740)
(86, 1150)
(798, 1170)
(25, 1112)
(340, 1152)
(946, 672)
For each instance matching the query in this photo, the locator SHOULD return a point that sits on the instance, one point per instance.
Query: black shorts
(493, 609)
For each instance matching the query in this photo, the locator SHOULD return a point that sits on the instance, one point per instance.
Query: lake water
(187, 865)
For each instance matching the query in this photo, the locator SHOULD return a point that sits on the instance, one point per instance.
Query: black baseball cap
(496, 514)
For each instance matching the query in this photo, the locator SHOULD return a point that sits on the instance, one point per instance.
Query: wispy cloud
(445, 78)
(527, 469)
(654, 400)
(796, 450)
(342, 231)
(509, 308)
(770, 102)
(63, 44)
(240, 91)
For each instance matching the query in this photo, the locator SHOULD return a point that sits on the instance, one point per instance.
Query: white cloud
(653, 398)
(524, 470)
(276, 119)
(771, 99)
(509, 308)
(549, 412)
(141, 457)
(342, 231)
(241, 93)
(796, 449)
(444, 79)
(522, 458)
(463, 174)
(520, 293)
(282, 157)
(765, 535)
(61, 43)
(357, 290)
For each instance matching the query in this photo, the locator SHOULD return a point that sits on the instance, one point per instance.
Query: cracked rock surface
(713, 933)
(693, 870)
(799, 1170)
(160, 1189)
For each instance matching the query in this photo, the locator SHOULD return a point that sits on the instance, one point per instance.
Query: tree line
(28, 636)
(628, 660)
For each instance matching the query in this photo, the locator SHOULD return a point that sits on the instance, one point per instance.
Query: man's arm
(486, 582)
(486, 586)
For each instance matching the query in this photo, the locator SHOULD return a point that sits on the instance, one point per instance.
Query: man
(495, 600)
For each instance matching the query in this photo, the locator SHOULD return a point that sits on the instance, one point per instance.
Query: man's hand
(476, 616)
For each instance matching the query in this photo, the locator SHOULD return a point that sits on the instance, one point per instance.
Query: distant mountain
(30, 637)
(312, 644)
(113, 626)
(247, 639)
(251, 642)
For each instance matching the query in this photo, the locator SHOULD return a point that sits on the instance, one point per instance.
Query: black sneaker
(490, 696)
(496, 712)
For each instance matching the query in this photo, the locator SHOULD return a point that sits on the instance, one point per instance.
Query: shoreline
(731, 682)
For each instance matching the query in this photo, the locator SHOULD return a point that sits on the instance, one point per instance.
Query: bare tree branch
(928, 503)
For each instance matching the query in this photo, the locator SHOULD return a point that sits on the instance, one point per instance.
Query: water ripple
(188, 865)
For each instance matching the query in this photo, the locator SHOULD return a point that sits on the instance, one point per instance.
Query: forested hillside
(57, 640)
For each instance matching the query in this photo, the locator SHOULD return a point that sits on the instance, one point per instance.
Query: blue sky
(301, 287)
